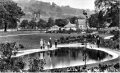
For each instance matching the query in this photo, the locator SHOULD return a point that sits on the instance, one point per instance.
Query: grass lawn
(31, 41)
(17, 32)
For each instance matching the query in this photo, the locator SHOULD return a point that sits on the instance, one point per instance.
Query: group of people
(48, 44)
(97, 40)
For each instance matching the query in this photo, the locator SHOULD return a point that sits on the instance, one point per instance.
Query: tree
(24, 23)
(42, 23)
(9, 12)
(93, 20)
(32, 24)
(50, 22)
(73, 20)
(96, 21)
(61, 22)
(109, 9)
(1, 25)
(7, 62)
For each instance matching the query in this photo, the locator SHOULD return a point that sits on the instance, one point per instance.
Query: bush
(7, 62)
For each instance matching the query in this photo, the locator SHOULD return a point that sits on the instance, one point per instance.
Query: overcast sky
(81, 4)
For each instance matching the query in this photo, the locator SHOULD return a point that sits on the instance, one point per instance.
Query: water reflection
(65, 57)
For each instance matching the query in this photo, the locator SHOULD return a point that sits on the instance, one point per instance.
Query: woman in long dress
(48, 44)
(44, 44)
(50, 41)
(41, 43)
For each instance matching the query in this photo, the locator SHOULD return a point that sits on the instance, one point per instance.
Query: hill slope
(49, 10)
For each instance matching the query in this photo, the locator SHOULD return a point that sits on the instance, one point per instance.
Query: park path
(108, 37)
(90, 46)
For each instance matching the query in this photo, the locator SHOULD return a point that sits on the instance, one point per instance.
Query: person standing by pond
(50, 41)
(48, 45)
(41, 43)
(98, 41)
(44, 44)
(56, 43)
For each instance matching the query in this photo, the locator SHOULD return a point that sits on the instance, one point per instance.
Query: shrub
(7, 62)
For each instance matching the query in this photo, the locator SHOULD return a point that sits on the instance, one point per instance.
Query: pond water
(65, 57)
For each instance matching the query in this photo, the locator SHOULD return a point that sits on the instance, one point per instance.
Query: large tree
(10, 12)
(24, 24)
(32, 24)
(108, 9)
(42, 23)
(95, 21)
(61, 22)
(50, 22)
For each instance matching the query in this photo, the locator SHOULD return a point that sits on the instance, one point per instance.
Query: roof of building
(55, 26)
(69, 25)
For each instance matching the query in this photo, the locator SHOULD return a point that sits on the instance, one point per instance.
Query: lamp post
(85, 56)
(85, 13)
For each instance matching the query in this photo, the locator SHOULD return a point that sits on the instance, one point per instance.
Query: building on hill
(70, 26)
(82, 24)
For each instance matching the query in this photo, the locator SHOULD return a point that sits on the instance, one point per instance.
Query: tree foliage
(93, 20)
(9, 12)
(73, 20)
(61, 22)
(96, 21)
(109, 9)
(24, 23)
(32, 24)
(7, 62)
(50, 22)
(42, 23)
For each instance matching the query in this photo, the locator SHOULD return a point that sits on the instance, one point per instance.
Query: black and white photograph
(59, 36)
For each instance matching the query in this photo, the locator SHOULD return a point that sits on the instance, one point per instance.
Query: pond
(66, 57)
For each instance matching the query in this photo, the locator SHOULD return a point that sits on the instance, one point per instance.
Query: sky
(81, 4)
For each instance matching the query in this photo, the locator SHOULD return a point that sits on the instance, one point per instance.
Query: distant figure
(50, 41)
(56, 43)
(41, 43)
(95, 39)
(98, 41)
(44, 44)
(48, 44)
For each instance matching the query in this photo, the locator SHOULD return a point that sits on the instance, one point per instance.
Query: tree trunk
(5, 25)
(5, 28)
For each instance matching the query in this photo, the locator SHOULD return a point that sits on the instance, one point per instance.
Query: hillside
(49, 10)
